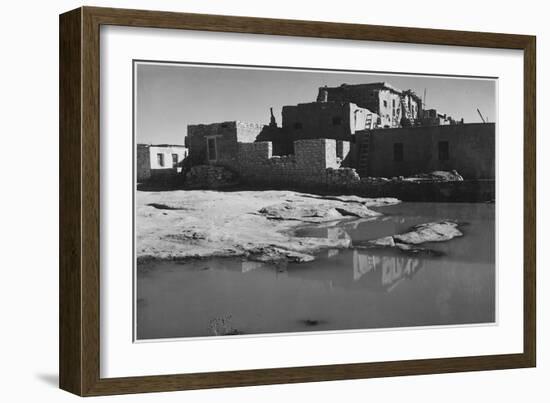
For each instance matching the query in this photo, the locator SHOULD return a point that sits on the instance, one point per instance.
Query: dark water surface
(342, 289)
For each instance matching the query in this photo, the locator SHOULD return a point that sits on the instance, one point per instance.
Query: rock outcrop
(317, 211)
(429, 232)
(258, 225)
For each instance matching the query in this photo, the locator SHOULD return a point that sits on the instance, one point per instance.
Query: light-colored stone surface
(429, 232)
(317, 210)
(200, 223)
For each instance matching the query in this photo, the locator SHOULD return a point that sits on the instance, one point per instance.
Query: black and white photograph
(273, 200)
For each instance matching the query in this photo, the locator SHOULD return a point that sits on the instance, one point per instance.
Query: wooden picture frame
(79, 348)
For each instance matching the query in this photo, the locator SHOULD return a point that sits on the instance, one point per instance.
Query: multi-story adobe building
(394, 107)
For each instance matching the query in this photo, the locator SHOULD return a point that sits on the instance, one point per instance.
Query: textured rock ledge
(256, 224)
(423, 233)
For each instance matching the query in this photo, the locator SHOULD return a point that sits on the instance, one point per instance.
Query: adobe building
(341, 143)
(339, 112)
(329, 120)
(395, 108)
(159, 161)
(468, 148)
(430, 117)
(217, 143)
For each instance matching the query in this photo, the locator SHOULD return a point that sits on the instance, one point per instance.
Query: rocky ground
(255, 224)
(260, 225)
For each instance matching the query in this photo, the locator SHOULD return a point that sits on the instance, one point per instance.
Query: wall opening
(443, 150)
(211, 149)
(398, 152)
(160, 159)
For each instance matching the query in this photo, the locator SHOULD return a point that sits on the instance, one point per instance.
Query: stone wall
(143, 162)
(308, 166)
(279, 137)
(209, 177)
(227, 135)
(471, 191)
(315, 167)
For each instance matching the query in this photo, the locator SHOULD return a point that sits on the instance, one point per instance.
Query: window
(160, 159)
(298, 125)
(385, 104)
(337, 120)
(211, 149)
(443, 151)
(398, 152)
(174, 160)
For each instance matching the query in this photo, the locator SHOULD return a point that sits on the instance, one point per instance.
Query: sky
(171, 96)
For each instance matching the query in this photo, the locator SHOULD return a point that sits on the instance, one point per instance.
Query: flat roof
(380, 84)
(160, 145)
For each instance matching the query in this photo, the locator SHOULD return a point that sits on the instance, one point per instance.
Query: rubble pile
(342, 176)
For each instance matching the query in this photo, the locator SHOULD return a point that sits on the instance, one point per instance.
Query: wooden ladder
(364, 149)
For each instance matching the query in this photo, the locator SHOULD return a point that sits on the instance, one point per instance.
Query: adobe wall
(471, 150)
(227, 134)
(384, 101)
(316, 168)
(359, 95)
(143, 163)
(331, 120)
(256, 164)
(167, 152)
(389, 108)
(247, 132)
(147, 161)
(279, 137)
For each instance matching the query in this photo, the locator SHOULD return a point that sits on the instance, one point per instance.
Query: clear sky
(171, 96)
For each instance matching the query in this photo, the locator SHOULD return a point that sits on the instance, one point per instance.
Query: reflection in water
(393, 268)
(341, 289)
(375, 271)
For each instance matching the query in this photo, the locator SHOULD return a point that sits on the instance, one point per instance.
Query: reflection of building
(332, 233)
(362, 264)
(160, 160)
(249, 265)
(375, 271)
(393, 269)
